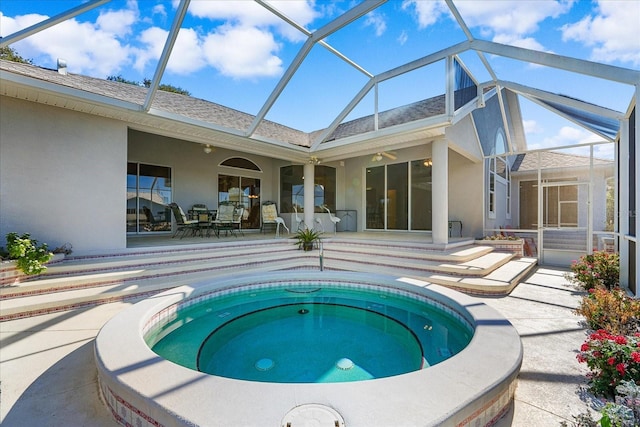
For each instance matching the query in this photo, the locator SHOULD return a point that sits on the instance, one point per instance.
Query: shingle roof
(405, 114)
(552, 160)
(187, 106)
(210, 112)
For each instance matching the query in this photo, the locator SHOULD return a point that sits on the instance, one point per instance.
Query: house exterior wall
(601, 175)
(466, 194)
(465, 206)
(62, 176)
(195, 173)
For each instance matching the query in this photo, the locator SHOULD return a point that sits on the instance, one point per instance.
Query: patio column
(309, 202)
(439, 193)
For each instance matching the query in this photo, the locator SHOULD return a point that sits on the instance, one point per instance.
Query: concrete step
(480, 266)
(91, 280)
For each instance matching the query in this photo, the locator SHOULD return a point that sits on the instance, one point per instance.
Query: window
(398, 196)
(148, 198)
(242, 192)
(240, 163)
(292, 188)
(499, 180)
(491, 194)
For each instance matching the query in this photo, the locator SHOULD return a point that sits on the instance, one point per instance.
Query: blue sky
(234, 52)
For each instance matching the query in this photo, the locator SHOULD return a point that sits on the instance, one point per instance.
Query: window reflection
(148, 197)
(292, 188)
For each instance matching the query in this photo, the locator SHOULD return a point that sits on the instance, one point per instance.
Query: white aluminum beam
(467, 32)
(336, 122)
(571, 102)
(568, 117)
(580, 66)
(333, 26)
(166, 52)
(36, 28)
(425, 60)
(308, 34)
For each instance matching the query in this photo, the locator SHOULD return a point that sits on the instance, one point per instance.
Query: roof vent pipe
(62, 66)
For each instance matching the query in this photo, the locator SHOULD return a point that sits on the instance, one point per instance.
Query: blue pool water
(310, 333)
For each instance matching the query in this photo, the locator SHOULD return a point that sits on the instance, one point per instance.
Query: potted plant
(305, 238)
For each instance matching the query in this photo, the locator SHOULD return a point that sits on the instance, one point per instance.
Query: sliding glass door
(398, 196)
(241, 192)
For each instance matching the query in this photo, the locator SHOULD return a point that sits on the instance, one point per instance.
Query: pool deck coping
(455, 392)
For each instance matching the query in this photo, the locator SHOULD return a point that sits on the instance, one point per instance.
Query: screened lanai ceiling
(325, 67)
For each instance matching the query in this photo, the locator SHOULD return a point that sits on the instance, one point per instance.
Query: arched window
(240, 163)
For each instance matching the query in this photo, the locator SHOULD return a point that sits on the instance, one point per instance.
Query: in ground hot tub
(271, 350)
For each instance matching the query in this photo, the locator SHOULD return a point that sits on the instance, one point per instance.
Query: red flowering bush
(611, 359)
(602, 269)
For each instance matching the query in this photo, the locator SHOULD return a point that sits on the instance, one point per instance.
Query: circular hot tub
(263, 350)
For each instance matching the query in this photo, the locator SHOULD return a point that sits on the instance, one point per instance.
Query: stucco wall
(465, 186)
(465, 194)
(195, 173)
(62, 176)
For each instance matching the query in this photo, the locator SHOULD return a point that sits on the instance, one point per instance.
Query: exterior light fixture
(313, 160)
(208, 149)
(427, 162)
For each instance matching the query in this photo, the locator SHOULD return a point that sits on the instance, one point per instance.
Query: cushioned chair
(226, 219)
(270, 218)
(184, 226)
(236, 222)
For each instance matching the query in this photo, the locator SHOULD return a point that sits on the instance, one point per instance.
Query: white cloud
(243, 52)
(251, 14)
(403, 37)
(427, 12)
(377, 21)
(117, 22)
(87, 48)
(187, 55)
(515, 17)
(531, 127)
(567, 135)
(612, 33)
(505, 21)
(159, 10)
(153, 40)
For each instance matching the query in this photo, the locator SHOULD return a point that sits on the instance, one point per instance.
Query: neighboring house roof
(553, 160)
(210, 112)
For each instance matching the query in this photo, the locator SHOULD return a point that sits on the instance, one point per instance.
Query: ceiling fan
(379, 155)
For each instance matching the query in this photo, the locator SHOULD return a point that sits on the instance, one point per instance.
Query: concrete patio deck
(48, 375)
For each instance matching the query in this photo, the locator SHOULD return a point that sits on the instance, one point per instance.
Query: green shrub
(612, 310)
(612, 359)
(601, 269)
(30, 257)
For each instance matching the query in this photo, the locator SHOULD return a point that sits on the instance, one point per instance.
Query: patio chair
(238, 216)
(226, 219)
(184, 225)
(270, 217)
(334, 219)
